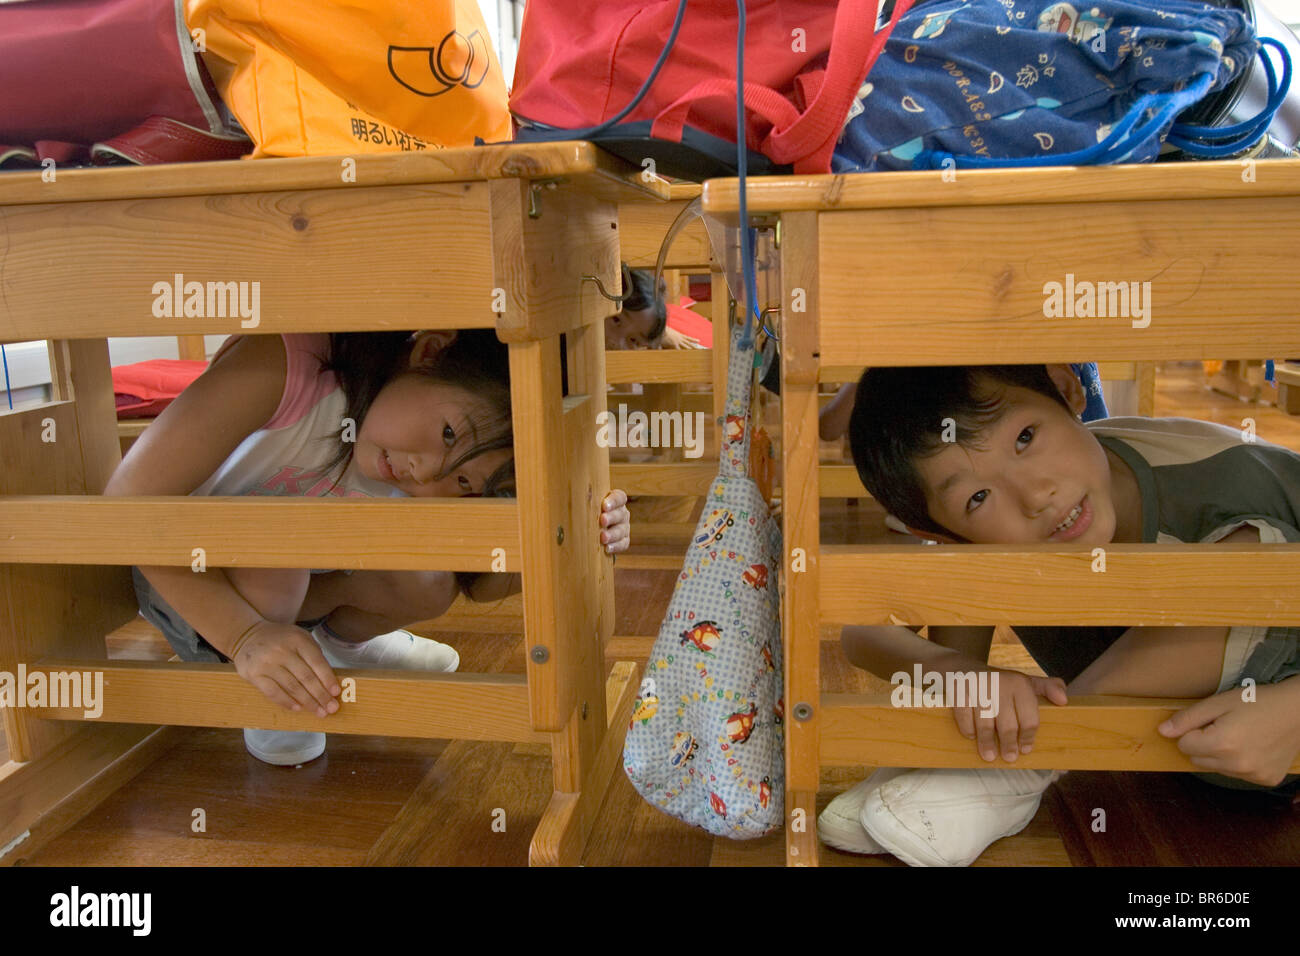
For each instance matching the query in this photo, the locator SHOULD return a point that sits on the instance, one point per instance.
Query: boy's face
(1037, 476)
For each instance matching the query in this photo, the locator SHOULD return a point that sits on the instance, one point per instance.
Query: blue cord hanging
(746, 235)
(8, 393)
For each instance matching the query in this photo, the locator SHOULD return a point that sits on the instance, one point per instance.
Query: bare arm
(236, 396)
(885, 650)
(972, 642)
(834, 418)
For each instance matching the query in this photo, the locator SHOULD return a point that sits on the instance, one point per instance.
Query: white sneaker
(949, 817)
(840, 824)
(397, 650)
(284, 748)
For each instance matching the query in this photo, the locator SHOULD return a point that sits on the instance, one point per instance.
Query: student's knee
(421, 595)
(275, 593)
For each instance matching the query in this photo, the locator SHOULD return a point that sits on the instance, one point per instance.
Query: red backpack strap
(763, 100)
(160, 139)
(855, 46)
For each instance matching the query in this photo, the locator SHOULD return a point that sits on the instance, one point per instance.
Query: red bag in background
(804, 63)
(107, 80)
(144, 389)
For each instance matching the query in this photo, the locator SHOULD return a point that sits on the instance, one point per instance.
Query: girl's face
(416, 428)
(630, 330)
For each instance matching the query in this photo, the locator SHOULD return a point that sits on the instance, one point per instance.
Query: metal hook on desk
(605, 292)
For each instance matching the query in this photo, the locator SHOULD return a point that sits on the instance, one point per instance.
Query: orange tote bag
(306, 78)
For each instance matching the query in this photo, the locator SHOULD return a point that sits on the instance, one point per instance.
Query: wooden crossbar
(597, 172)
(405, 534)
(1090, 733)
(668, 478)
(676, 478)
(392, 703)
(686, 365)
(1085, 185)
(1143, 585)
(999, 296)
(137, 258)
(643, 226)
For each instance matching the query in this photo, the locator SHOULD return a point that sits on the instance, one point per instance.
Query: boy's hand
(1254, 740)
(616, 521)
(285, 663)
(1015, 724)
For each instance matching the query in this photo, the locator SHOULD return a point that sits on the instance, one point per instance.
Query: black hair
(898, 417)
(639, 287)
(475, 361)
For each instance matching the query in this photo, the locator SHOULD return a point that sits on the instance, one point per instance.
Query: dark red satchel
(107, 80)
(804, 62)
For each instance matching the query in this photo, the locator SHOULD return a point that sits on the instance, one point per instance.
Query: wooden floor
(381, 801)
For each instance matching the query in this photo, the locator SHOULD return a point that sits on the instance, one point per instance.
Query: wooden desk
(910, 269)
(494, 237)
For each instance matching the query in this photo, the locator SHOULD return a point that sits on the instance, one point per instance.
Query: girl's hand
(285, 663)
(1254, 740)
(616, 521)
(674, 339)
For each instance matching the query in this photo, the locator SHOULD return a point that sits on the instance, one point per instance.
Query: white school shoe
(950, 817)
(284, 748)
(396, 650)
(840, 824)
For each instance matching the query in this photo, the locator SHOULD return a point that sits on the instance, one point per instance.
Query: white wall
(501, 19)
(1288, 11)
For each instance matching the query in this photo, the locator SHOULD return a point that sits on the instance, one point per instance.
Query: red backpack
(804, 63)
(105, 81)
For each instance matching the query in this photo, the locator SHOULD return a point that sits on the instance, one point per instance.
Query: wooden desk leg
(800, 609)
(562, 475)
(568, 587)
(67, 446)
(1145, 373)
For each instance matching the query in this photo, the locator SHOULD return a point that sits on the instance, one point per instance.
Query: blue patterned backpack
(981, 83)
(706, 743)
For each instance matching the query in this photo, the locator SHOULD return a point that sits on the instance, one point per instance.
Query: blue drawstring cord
(8, 393)
(1246, 133)
(746, 235)
(1166, 106)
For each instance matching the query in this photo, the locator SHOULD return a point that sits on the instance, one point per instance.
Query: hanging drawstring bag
(705, 743)
(983, 83)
